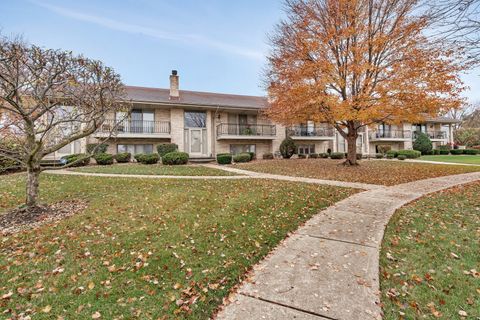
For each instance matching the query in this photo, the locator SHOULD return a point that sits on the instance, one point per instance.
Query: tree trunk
(352, 149)
(33, 174)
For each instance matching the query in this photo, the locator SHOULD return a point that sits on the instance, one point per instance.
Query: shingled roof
(195, 98)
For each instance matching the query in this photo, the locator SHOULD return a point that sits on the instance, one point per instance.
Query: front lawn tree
(355, 63)
(49, 99)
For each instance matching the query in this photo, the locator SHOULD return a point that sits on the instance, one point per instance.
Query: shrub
(103, 159)
(456, 151)
(384, 148)
(302, 156)
(392, 154)
(74, 157)
(436, 152)
(175, 158)
(313, 156)
(429, 153)
(138, 156)
(98, 147)
(324, 155)
(123, 157)
(337, 155)
(253, 156)
(224, 158)
(410, 154)
(242, 157)
(471, 151)
(359, 156)
(148, 158)
(7, 164)
(268, 156)
(288, 148)
(446, 147)
(401, 157)
(165, 148)
(444, 152)
(379, 155)
(422, 143)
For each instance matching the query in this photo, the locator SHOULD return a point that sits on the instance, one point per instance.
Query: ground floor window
(135, 148)
(239, 148)
(306, 149)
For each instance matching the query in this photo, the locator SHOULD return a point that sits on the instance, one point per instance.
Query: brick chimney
(174, 90)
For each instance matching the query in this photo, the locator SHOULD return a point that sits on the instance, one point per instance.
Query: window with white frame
(135, 148)
(239, 148)
(306, 149)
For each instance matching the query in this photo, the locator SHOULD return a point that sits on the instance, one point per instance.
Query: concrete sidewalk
(328, 269)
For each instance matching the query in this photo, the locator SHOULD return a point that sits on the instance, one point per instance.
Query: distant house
(204, 124)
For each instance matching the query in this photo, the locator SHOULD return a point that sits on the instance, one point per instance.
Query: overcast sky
(216, 45)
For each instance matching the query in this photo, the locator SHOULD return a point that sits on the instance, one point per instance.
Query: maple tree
(49, 99)
(354, 63)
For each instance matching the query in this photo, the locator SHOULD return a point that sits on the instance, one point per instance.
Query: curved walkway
(328, 269)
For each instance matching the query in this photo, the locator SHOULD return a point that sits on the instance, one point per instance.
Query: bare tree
(462, 114)
(49, 99)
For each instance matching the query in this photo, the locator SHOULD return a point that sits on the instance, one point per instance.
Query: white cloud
(152, 32)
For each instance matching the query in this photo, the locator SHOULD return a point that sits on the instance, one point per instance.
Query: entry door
(196, 144)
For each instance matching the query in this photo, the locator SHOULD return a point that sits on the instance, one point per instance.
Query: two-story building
(204, 124)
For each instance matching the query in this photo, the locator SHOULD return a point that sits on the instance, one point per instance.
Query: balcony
(390, 135)
(134, 129)
(434, 135)
(246, 131)
(311, 133)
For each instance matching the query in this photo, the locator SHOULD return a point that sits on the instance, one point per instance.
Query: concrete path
(259, 175)
(440, 162)
(328, 269)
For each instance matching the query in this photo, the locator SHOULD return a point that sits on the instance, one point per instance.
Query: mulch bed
(22, 219)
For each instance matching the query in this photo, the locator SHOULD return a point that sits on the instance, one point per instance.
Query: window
(306, 149)
(135, 148)
(195, 119)
(239, 148)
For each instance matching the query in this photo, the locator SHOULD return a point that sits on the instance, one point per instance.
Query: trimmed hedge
(313, 155)
(379, 155)
(337, 155)
(147, 158)
(436, 152)
(392, 154)
(123, 157)
(401, 157)
(103, 159)
(164, 148)
(74, 157)
(471, 151)
(444, 152)
(100, 148)
(224, 158)
(302, 156)
(410, 154)
(267, 156)
(324, 155)
(253, 156)
(242, 157)
(456, 152)
(175, 158)
(288, 148)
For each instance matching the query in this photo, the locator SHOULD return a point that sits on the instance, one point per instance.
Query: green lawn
(468, 159)
(147, 249)
(430, 257)
(155, 169)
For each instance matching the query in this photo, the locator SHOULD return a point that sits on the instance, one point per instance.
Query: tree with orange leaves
(354, 63)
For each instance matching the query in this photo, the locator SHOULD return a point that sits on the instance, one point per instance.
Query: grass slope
(155, 169)
(430, 257)
(468, 159)
(144, 248)
(369, 171)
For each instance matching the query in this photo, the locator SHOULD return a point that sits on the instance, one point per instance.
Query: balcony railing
(135, 126)
(302, 131)
(235, 129)
(390, 134)
(439, 135)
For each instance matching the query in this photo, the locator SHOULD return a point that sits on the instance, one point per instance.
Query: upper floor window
(195, 119)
